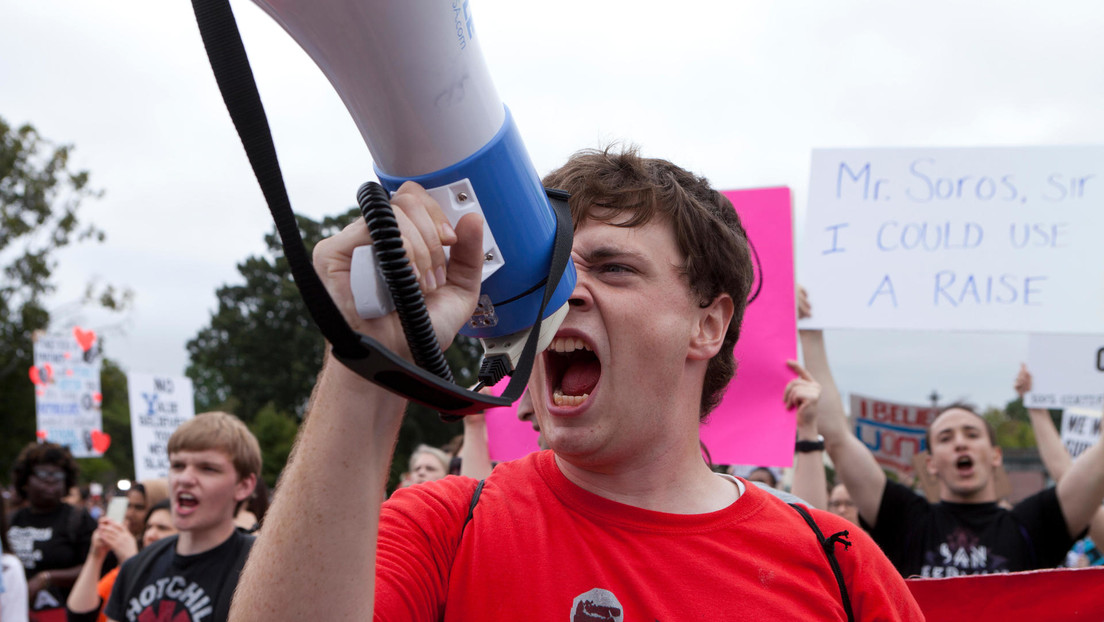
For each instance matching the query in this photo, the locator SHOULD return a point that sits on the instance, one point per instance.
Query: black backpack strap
(829, 547)
(226, 593)
(471, 506)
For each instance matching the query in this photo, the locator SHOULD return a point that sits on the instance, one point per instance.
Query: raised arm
(855, 466)
(1051, 450)
(809, 480)
(318, 555)
(475, 457)
(1058, 462)
(1081, 489)
(109, 536)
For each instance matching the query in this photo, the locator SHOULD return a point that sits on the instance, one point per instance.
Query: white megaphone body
(413, 77)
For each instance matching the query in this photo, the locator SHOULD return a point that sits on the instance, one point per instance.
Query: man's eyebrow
(602, 253)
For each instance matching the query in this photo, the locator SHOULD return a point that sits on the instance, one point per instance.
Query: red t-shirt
(540, 547)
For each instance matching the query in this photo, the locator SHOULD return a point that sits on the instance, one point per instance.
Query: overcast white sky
(738, 91)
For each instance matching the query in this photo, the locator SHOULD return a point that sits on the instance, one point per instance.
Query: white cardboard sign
(981, 239)
(158, 405)
(1066, 371)
(66, 377)
(1080, 429)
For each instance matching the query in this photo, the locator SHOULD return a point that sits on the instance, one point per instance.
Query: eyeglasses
(841, 504)
(48, 475)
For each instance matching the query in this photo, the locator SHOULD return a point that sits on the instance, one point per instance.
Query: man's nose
(581, 297)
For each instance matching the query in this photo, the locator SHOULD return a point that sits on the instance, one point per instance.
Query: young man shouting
(966, 532)
(214, 462)
(621, 519)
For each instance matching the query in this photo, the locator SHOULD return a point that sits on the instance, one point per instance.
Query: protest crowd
(620, 515)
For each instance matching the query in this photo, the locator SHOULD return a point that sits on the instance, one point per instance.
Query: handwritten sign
(1067, 371)
(987, 239)
(751, 424)
(66, 380)
(894, 433)
(158, 405)
(1080, 429)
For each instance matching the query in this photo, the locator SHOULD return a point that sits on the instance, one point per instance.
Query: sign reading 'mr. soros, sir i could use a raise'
(995, 239)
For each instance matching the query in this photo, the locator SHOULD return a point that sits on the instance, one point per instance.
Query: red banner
(1065, 594)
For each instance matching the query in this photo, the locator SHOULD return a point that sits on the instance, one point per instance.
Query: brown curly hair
(706, 227)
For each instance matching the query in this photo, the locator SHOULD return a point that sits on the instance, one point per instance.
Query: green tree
(261, 353)
(1013, 425)
(39, 199)
(261, 346)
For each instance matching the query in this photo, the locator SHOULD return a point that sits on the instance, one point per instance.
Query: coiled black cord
(375, 206)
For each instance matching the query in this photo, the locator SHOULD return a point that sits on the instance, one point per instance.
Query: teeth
(565, 345)
(559, 399)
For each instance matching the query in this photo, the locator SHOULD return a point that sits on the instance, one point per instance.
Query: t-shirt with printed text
(181, 588)
(952, 539)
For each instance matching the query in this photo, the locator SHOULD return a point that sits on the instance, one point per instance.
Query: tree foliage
(1013, 425)
(261, 353)
(40, 196)
(261, 346)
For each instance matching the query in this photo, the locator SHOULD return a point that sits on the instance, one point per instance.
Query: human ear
(708, 336)
(245, 487)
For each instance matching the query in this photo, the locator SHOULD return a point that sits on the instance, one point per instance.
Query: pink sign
(751, 425)
(508, 438)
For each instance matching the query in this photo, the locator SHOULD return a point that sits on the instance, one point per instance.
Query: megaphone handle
(375, 206)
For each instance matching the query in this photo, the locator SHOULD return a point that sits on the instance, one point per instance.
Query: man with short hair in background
(966, 532)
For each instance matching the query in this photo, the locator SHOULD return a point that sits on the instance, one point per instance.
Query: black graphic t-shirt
(951, 539)
(179, 588)
(52, 540)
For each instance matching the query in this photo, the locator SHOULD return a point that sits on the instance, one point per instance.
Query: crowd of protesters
(641, 510)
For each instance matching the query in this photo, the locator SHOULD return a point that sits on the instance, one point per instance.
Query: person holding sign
(1051, 450)
(966, 532)
(622, 519)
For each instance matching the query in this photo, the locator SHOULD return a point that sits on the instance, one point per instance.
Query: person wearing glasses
(50, 537)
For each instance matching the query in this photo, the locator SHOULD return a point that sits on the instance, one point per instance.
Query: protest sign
(751, 424)
(66, 379)
(894, 433)
(1066, 371)
(986, 239)
(507, 437)
(1080, 429)
(158, 405)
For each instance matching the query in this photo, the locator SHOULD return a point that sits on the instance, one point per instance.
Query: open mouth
(964, 464)
(186, 501)
(573, 371)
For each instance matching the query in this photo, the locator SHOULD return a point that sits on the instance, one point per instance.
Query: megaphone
(412, 75)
